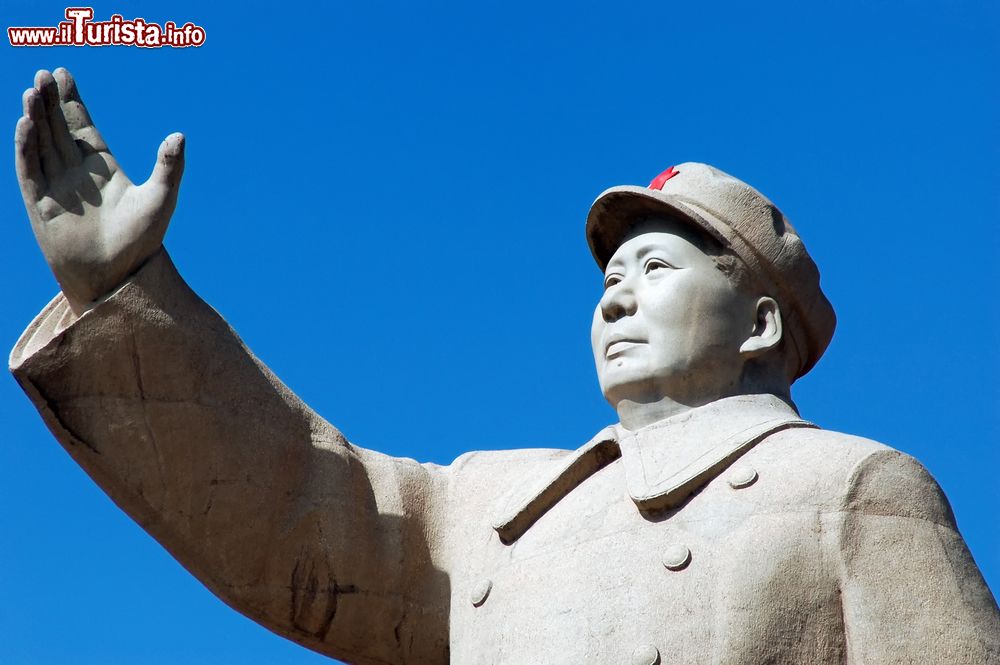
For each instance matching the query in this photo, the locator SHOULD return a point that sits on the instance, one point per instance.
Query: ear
(766, 331)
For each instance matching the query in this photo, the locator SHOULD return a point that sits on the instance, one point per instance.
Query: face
(669, 324)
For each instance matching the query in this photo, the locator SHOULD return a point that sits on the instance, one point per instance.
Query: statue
(712, 524)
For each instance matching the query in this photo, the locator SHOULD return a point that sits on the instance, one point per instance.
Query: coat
(736, 533)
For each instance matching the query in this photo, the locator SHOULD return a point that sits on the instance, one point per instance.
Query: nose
(618, 301)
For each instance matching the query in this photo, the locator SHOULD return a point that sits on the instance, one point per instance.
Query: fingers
(169, 162)
(34, 109)
(78, 119)
(27, 164)
(77, 116)
(63, 141)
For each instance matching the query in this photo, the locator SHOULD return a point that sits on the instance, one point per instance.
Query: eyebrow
(643, 251)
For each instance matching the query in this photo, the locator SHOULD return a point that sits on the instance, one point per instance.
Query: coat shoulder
(854, 474)
(514, 463)
(486, 477)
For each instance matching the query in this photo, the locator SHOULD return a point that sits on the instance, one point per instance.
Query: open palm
(94, 226)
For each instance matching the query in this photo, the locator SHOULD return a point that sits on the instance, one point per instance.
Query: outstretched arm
(159, 401)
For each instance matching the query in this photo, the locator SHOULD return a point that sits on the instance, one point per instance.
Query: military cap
(744, 222)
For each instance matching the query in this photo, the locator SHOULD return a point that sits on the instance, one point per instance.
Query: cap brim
(616, 211)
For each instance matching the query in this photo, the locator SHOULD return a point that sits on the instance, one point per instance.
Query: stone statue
(711, 525)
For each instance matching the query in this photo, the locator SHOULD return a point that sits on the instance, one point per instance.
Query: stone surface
(782, 542)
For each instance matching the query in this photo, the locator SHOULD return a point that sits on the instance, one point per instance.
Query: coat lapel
(527, 506)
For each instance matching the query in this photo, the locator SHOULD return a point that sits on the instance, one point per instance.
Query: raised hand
(94, 226)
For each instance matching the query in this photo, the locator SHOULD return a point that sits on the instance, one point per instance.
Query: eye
(655, 264)
(611, 280)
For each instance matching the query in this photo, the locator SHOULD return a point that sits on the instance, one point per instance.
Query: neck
(646, 404)
(636, 415)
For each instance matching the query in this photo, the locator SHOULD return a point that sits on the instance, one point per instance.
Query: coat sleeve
(325, 543)
(911, 591)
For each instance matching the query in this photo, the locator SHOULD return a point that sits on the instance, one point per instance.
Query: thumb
(169, 162)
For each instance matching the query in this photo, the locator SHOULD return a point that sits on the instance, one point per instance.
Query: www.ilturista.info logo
(81, 30)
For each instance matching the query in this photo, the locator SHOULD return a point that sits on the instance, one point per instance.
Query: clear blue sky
(387, 201)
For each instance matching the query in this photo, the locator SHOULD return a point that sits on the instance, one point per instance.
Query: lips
(618, 344)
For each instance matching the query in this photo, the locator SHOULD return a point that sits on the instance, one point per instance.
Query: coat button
(742, 476)
(480, 592)
(676, 557)
(647, 654)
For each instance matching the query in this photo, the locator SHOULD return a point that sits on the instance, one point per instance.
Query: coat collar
(664, 463)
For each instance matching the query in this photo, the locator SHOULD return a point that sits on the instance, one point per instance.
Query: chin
(634, 387)
(619, 382)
